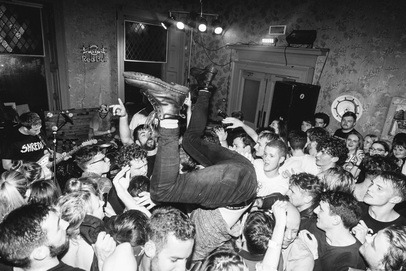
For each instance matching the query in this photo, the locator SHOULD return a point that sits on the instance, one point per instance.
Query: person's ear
(336, 220)
(150, 249)
(395, 199)
(334, 159)
(40, 253)
(281, 159)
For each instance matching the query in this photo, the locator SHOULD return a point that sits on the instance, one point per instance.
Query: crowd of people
(185, 195)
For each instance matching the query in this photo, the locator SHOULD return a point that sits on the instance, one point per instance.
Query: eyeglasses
(376, 150)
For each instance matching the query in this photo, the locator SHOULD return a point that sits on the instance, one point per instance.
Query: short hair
(350, 114)
(43, 191)
(223, 260)
(32, 171)
(309, 183)
(85, 155)
(317, 134)
(270, 136)
(30, 119)
(128, 153)
(22, 232)
(376, 164)
(344, 205)
(335, 147)
(360, 137)
(73, 208)
(338, 179)
(397, 180)
(280, 145)
(13, 186)
(399, 140)
(130, 227)
(246, 139)
(168, 220)
(142, 127)
(238, 115)
(309, 120)
(297, 140)
(395, 258)
(323, 116)
(258, 231)
(138, 184)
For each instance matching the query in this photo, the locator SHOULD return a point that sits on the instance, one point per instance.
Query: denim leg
(205, 153)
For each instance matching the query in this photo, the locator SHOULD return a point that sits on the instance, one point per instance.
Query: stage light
(180, 25)
(217, 28)
(202, 24)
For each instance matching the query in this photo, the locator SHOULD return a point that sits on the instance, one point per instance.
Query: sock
(169, 123)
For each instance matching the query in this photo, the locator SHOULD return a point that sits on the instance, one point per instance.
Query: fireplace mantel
(288, 56)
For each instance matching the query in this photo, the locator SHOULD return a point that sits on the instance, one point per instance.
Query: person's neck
(384, 213)
(152, 152)
(303, 207)
(361, 189)
(347, 130)
(272, 173)
(325, 168)
(145, 264)
(297, 153)
(339, 237)
(42, 265)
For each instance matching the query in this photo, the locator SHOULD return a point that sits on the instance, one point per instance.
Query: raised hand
(119, 109)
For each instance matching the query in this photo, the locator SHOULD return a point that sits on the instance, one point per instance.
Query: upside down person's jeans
(227, 179)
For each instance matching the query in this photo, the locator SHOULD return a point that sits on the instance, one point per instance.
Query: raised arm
(124, 129)
(238, 123)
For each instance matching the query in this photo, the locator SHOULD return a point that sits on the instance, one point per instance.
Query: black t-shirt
(340, 134)
(341, 258)
(64, 267)
(376, 225)
(23, 147)
(60, 267)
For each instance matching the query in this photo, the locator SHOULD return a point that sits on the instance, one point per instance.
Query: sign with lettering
(93, 54)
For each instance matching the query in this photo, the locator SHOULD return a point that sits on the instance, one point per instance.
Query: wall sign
(93, 54)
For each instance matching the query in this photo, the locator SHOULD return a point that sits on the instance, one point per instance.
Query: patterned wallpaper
(367, 42)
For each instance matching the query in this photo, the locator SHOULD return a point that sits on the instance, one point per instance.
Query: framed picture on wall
(395, 119)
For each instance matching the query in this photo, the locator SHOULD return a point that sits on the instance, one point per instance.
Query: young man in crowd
(386, 250)
(269, 179)
(95, 164)
(348, 121)
(304, 192)
(331, 152)
(298, 161)
(143, 135)
(337, 214)
(170, 240)
(321, 120)
(32, 236)
(385, 191)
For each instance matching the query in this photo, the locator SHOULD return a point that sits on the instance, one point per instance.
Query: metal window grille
(145, 42)
(21, 30)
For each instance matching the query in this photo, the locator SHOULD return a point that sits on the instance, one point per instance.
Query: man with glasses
(94, 164)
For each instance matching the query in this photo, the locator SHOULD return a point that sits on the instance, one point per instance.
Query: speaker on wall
(293, 102)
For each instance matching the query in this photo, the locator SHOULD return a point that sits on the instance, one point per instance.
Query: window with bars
(21, 30)
(145, 42)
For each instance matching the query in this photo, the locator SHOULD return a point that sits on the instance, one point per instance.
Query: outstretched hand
(234, 121)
